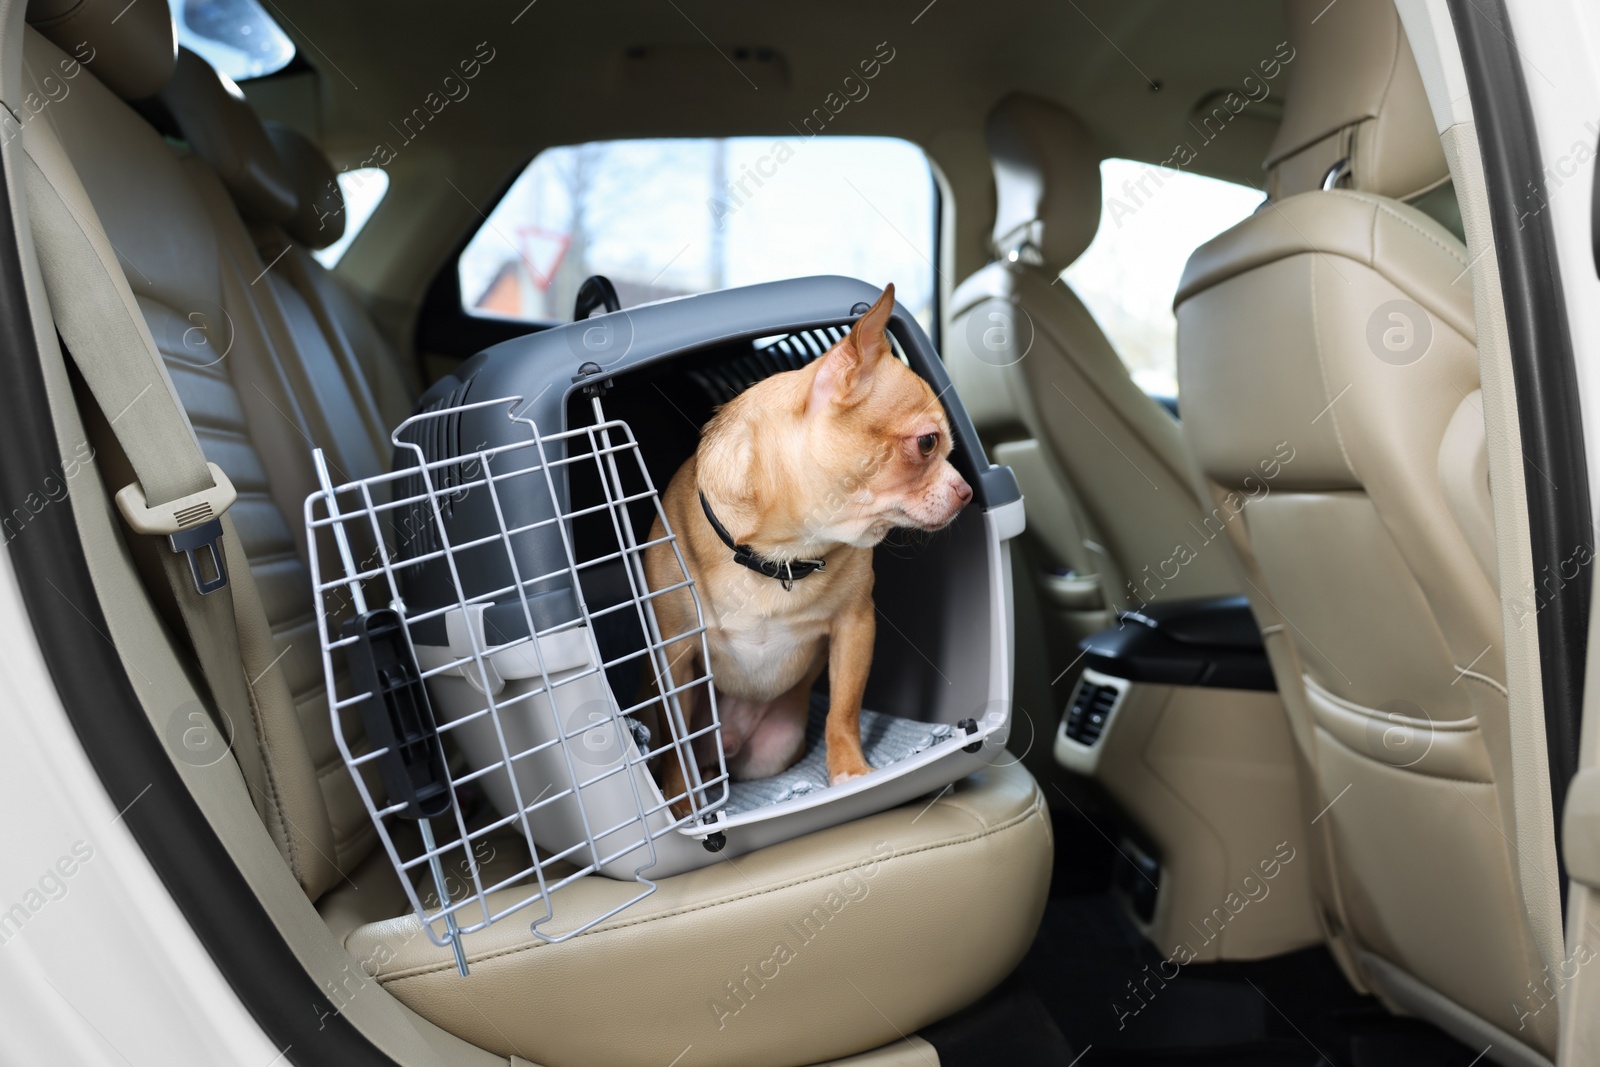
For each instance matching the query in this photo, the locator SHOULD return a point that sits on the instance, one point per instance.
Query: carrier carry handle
(596, 291)
(397, 714)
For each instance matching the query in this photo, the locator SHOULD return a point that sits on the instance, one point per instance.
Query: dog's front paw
(842, 769)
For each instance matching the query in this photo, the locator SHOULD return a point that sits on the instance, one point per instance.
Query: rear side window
(237, 37)
(362, 189)
(1151, 219)
(664, 218)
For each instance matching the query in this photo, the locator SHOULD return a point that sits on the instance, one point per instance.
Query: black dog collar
(787, 572)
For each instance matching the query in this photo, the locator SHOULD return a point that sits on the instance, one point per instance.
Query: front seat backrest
(1332, 333)
(1051, 396)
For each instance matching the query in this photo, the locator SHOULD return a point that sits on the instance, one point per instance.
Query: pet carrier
(515, 655)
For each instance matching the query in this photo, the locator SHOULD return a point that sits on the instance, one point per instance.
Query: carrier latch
(591, 386)
(191, 524)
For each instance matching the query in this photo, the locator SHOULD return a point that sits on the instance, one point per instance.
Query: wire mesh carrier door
(465, 599)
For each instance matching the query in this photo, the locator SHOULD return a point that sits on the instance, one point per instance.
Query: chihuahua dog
(776, 515)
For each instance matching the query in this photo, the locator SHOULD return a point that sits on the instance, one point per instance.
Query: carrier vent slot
(772, 355)
(767, 357)
(1091, 709)
(439, 439)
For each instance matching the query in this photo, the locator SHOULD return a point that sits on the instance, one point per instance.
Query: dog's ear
(844, 373)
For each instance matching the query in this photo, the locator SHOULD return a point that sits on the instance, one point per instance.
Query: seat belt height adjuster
(191, 524)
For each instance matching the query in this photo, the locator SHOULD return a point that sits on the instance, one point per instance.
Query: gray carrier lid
(543, 369)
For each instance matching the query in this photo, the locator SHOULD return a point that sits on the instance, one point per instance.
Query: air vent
(1091, 709)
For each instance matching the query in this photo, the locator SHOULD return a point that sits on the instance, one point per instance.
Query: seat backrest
(1099, 458)
(209, 111)
(256, 396)
(1331, 335)
(393, 382)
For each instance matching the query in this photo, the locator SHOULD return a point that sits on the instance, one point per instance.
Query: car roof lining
(598, 72)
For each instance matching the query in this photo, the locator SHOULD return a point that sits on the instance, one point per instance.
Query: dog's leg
(778, 740)
(849, 660)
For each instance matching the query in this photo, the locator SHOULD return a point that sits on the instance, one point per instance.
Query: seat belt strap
(177, 494)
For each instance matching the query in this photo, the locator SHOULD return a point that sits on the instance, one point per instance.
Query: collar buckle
(785, 571)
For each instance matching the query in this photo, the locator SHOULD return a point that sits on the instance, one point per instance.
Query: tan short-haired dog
(777, 513)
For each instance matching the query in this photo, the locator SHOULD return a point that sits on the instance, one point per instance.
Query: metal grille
(519, 689)
(768, 356)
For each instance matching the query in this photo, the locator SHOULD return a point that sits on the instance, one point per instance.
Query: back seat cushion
(819, 947)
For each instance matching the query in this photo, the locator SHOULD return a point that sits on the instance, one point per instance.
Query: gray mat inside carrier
(886, 739)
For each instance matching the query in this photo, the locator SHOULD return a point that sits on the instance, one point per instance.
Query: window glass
(237, 37)
(662, 218)
(362, 190)
(1151, 219)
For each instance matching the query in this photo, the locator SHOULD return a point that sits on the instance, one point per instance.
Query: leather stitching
(1328, 736)
(335, 762)
(1322, 372)
(286, 555)
(1483, 679)
(275, 796)
(1393, 214)
(1355, 708)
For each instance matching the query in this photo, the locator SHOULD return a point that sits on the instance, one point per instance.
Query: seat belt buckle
(191, 524)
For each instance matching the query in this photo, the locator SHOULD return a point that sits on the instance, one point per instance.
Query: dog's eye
(927, 443)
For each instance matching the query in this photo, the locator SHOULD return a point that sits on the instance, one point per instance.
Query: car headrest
(224, 130)
(1353, 93)
(129, 47)
(319, 220)
(1046, 181)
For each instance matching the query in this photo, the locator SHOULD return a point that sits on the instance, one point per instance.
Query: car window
(663, 218)
(237, 37)
(362, 190)
(1151, 219)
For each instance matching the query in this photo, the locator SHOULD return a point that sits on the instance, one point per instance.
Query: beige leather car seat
(227, 137)
(350, 330)
(260, 387)
(1332, 334)
(1109, 485)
